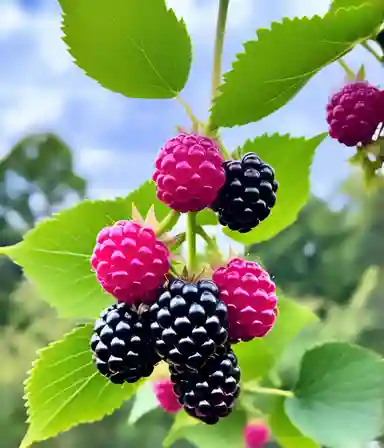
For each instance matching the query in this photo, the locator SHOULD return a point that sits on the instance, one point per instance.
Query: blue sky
(115, 139)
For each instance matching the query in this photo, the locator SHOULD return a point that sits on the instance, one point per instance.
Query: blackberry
(122, 347)
(189, 323)
(248, 194)
(211, 393)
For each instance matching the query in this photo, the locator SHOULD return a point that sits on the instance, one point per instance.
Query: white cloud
(200, 17)
(13, 19)
(32, 108)
(309, 8)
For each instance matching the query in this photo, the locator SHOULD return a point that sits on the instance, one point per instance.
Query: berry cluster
(188, 322)
(191, 174)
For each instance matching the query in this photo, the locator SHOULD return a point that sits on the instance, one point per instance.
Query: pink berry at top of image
(130, 262)
(166, 396)
(250, 295)
(256, 435)
(354, 113)
(189, 173)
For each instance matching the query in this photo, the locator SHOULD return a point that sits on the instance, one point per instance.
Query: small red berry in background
(256, 435)
(354, 113)
(250, 295)
(130, 262)
(189, 173)
(166, 396)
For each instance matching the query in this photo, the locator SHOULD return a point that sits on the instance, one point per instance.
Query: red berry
(189, 173)
(256, 435)
(166, 396)
(354, 113)
(130, 263)
(250, 295)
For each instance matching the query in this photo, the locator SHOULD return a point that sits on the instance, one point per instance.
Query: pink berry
(130, 263)
(256, 435)
(166, 396)
(250, 295)
(354, 113)
(189, 173)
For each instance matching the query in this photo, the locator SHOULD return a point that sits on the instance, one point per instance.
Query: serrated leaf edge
(171, 93)
(262, 33)
(25, 443)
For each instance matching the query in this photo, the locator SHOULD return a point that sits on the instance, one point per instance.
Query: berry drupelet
(248, 194)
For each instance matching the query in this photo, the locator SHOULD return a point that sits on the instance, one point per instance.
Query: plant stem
(168, 223)
(194, 120)
(191, 242)
(373, 52)
(210, 242)
(179, 242)
(268, 391)
(218, 51)
(347, 70)
(219, 44)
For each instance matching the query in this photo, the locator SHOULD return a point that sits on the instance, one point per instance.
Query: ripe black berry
(211, 393)
(189, 323)
(122, 347)
(248, 194)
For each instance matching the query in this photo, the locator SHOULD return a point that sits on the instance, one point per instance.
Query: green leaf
(291, 159)
(64, 389)
(56, 254)
(207, 218)
(257, 357)
(134, 47)
(339, 396)
(285, 433)
(228, 432)
(274, 68)
(336, 4)
(145, 401)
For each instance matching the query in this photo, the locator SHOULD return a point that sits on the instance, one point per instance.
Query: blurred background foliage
(331, 259)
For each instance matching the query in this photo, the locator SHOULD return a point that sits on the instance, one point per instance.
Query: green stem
(210, 242)
(191, 242)
(218, 51)
(168, 223)
(268, 391)
(347, 70)
(373, 52)
(179, 242)
(194, 120)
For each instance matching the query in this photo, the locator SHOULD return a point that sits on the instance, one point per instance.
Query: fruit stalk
(218, 50)
(168, 223)
(191, 242)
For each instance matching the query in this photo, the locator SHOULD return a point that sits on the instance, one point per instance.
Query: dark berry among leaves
(189, 323)
(122, 347)
(248, 194)
(211, 393)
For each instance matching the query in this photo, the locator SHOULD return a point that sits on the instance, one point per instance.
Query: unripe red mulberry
(354, 113)
(256, 435)
(250, 295)
(189, 173)
(130, 262)
(166, 396)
